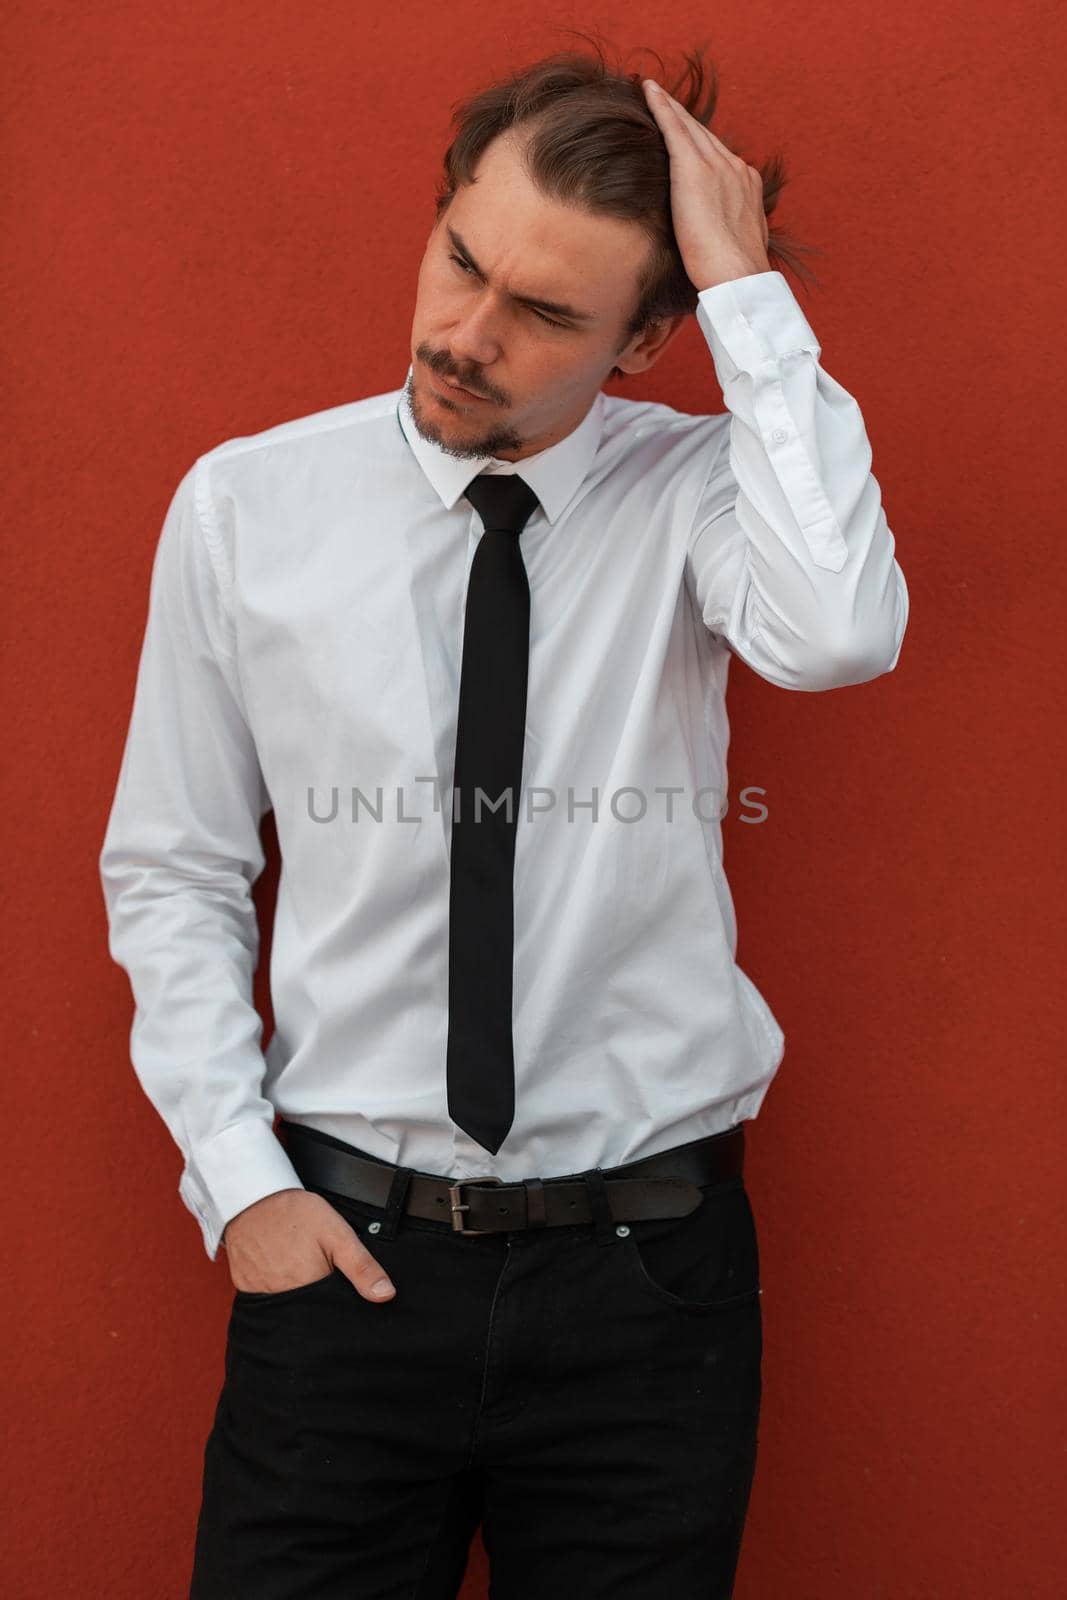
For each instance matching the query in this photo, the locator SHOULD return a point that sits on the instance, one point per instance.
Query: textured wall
(214, 219)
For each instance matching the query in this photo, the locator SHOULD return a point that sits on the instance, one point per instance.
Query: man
(469, 641)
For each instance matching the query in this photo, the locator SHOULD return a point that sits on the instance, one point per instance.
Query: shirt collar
(554, 474)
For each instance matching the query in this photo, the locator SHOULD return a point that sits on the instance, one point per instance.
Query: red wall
(215, 219)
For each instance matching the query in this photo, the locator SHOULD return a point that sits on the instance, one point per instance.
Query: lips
(459, 388)
(450, 387)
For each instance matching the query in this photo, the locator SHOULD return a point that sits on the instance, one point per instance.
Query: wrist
(726, 272)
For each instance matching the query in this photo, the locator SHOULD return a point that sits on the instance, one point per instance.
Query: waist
(667, 1184)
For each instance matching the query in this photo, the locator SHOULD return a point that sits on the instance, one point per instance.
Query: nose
(473, 349)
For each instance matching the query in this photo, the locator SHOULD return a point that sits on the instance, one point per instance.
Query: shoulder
(252, 483)
(358, 425)
(653, 436)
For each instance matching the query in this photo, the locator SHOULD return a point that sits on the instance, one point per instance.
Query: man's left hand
(716, 198)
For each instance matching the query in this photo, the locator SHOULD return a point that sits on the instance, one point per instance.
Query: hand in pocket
(294, 1238)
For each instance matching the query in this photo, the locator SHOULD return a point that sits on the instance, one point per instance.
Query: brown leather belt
(667, 1184)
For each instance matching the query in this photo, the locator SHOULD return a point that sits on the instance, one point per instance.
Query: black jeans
(590, 1394)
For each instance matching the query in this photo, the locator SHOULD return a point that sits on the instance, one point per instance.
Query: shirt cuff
(232, 1170)
(752, 322)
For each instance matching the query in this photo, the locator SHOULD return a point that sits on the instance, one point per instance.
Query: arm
(790, 554)
(180, 856)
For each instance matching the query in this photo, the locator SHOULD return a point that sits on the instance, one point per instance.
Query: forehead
(537, 248)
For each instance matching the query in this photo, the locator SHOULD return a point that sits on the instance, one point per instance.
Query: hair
(592, 142)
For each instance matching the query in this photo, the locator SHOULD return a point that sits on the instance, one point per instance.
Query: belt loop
(394, 1205)
(600, 1206)
(536, 1213)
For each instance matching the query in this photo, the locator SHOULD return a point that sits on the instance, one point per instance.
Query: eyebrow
(557, 307)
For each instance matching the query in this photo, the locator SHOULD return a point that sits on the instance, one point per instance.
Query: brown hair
(594, 143)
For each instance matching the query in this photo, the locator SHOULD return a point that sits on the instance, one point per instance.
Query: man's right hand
(293, 1237)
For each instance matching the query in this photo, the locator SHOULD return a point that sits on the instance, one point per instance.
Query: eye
(552, 323)
(550, 320)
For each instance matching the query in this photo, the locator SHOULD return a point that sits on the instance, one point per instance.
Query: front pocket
(705, 1262)
(272, 1297)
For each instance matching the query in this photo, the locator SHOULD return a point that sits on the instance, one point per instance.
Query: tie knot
(504, 501)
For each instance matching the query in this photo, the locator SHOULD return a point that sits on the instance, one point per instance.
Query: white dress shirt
(304, 640)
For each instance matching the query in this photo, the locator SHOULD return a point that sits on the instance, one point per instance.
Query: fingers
(676, 116)
(677, 124)
(672, 119)
(366, 1274)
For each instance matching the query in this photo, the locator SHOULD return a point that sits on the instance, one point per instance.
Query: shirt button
(779, 436)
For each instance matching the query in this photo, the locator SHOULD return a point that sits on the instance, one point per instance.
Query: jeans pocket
(707, 1261)
(272, 1297)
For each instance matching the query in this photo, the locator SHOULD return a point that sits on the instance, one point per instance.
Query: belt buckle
(458, 1205)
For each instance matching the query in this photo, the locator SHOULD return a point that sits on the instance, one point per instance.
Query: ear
(646, 348)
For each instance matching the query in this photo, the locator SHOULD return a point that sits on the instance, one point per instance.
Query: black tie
(489, 739)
